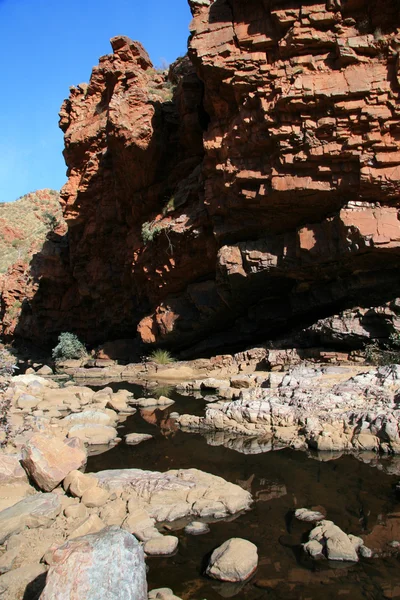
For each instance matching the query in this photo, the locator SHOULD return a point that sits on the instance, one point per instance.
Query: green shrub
(50, 220)
(69, 346)
(162, 357)
(150, 231)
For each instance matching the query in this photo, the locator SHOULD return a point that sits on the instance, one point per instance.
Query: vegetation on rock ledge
(69, 346)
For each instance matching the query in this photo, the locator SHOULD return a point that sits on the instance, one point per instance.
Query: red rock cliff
(264, 194)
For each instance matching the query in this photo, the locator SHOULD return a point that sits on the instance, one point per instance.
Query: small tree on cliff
(69, 346)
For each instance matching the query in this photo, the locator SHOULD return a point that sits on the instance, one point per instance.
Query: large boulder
(49, 459)
(108, 565)
(177, 493)
(235, 560)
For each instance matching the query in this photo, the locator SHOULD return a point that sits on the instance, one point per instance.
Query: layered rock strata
(260, 193)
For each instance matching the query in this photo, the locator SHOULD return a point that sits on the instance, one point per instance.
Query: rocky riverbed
(308, 407)
(61, 492)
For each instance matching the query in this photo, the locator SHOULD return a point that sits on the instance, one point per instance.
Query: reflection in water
(356, 492)
(161, 419)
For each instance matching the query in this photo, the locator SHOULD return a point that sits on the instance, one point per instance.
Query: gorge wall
(252, 194)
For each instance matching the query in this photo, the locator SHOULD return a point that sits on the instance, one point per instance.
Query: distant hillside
(25, 223)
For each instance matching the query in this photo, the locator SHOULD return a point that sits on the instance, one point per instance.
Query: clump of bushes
(50, 220)
(384, 354)
(69, 346)
(149, 231)
(161, 357)
(7, 368)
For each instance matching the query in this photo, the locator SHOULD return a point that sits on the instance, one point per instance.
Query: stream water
(358, 497)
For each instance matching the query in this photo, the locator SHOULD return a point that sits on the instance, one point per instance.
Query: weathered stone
(45, 370)
(76, 511)
(76, 483)
(337, 545)
(164, 593)
(14, 583)
(315, 549)
(93, 434)
(48, 459)
(114, 513)
(310, 516)
(160, 546)
(11, 469)
(95, 497)
(91, 524)
(136, 438)
(235, 560)
(197, 528)
(97, 567)
(33, 511)
(161, 401)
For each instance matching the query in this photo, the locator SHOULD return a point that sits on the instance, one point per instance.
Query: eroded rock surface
(309, 409)
(176, 494)
(258, 196)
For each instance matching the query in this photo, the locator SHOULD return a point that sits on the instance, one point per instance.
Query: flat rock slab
(95, 417)
(93, 434)
(234, 561)
(136, 438)
(108, 565)
(162, 401)
(48, 459)
(33, 511)
(178, 493)
(161, 546)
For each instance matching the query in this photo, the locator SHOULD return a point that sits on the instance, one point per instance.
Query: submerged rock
(100, 566)
(197, 528)
(137, 438)
(310, 516)
(236, 560)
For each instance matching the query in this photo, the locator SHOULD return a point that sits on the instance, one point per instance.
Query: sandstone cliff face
(263, 196)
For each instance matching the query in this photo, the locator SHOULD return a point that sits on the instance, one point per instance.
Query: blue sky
(48, 45)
